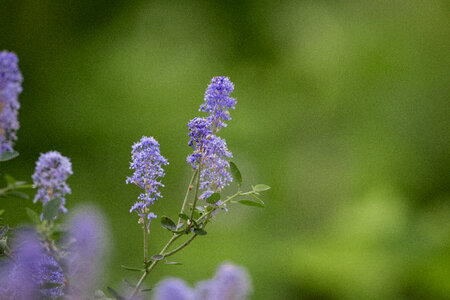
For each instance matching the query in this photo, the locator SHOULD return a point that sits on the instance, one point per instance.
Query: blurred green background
(343, 108)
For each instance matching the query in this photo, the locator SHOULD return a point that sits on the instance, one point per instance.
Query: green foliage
(236, 174)
(51, 209)
(8, 156)
(213, 198)
(261, 188)
(250, 203)
(168, 223)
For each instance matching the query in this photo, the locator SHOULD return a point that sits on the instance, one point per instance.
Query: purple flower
(32, 273)
(218, 101)
(87, 250)
(10, 88)
(147, 163)
(230, 282)
(51, 173)
(210, 151)
(173, 289)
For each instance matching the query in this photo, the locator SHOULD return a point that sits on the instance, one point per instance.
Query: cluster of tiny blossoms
(210, 151)
(51, 173)
(10, 88)
(230, 282)
(33, 272)
(147, 163)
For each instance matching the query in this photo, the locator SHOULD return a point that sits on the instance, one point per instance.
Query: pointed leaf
(33, 216)
(3, 231)
(51, 209)
(128, 283)
(257, 199)
(168, 223)
(10, 179)
(8, 155)
(236, 173)
(250, 203)
(213, 198)
(18, 194)
(183, 216)
(114, 293)
(172, 263)
(131, 268)
(199, 231)
(157, 257)
(261, 188)
(146, 290)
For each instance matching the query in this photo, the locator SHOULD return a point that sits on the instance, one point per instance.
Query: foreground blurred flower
(10, 88)
(51, 173)
(147, 163)
(32, 273)
(86, 253)
(173, 289)
(230, 282)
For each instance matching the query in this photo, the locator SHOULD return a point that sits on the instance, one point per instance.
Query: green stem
(144, 227)
(152, 265)
(223, 204)
(197, 186)
(186, 197)
(180, 247)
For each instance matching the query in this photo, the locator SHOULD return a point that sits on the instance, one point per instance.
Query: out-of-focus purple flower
(87, 250)
(49, 277)
(32, 273)
(50, 175)
(10, 88)
(147, 163)
(230, 282)
(218, 101)
(173, 289)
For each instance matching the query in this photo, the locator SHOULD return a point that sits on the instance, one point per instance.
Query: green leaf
(213, 198)
(168, 223)
(33, 216)
(131, 268)
(114, 293)
(18, 194)
(146, 290)
(51, 209)
(49, 285)
(10, 179)
(261, 188)
(258, 199)
(199, 231)
(128, 283)
(236, 173)
(3, 231)
(9, 155)
(157, 257)
(2, 211)
(183, 216)
(250, 203)
(99, 295)
(172, 263)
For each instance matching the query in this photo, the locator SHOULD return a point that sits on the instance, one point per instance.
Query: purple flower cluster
(31, 272)
(10, 88)
(210, 151)
(230, 282)
(87, 242)
(51, 173)
(147, 163)
(218, 101)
